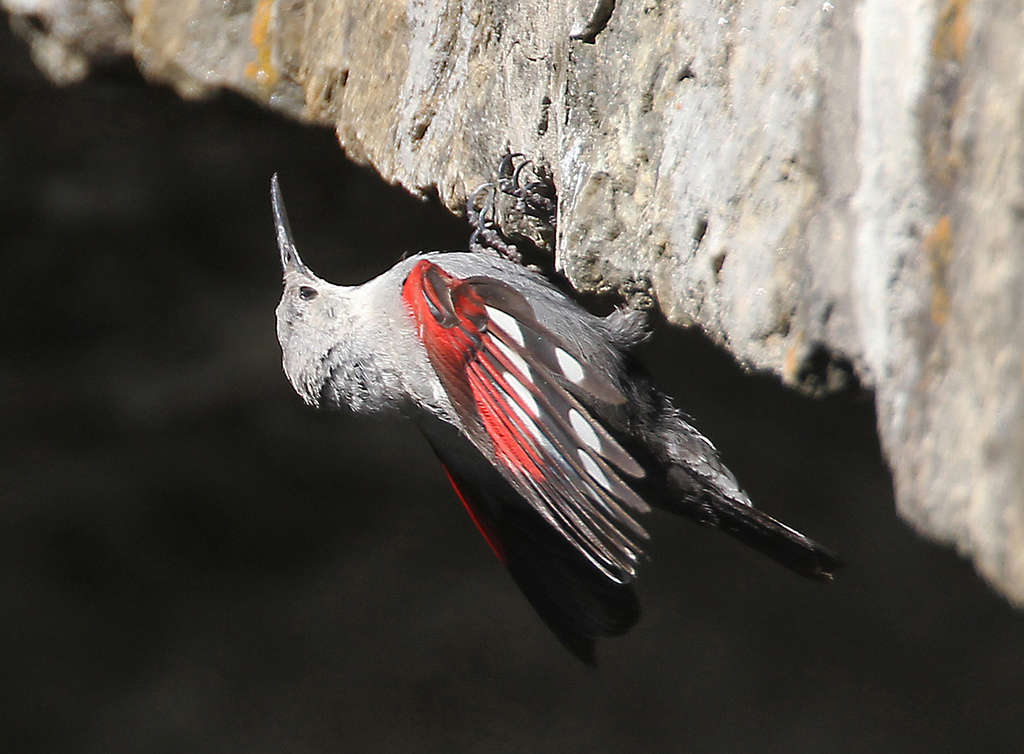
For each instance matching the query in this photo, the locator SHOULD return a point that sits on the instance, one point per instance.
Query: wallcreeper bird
(552, 440)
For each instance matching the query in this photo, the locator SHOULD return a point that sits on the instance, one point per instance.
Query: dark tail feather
(763, 533)
(776, 540)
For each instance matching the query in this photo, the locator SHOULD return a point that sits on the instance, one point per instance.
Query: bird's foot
(521, 198)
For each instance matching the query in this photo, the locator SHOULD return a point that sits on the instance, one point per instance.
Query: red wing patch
(452, 323)
(522, 395)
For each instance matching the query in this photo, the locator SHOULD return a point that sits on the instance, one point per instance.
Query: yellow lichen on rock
(262, 70)
(938, 248)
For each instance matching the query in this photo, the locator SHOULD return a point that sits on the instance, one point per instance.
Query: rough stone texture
(826, 189)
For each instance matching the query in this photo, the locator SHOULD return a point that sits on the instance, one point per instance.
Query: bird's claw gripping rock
(536, 198)
(487, 236)
(512, 205)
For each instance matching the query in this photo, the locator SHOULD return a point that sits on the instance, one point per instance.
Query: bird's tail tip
(761, 532)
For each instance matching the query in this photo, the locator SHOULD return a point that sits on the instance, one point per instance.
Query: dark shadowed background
(191, 560)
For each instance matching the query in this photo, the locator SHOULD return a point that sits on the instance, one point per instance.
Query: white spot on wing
(529, 423)
(593, 469)
(524, 394)
(516, 359)
(584, 430)
(506, 322)
(571, 368)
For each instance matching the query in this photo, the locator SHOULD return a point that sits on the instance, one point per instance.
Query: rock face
(829, 191)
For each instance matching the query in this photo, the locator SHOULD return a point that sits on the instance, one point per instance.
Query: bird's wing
(522, 392)
(575, 600)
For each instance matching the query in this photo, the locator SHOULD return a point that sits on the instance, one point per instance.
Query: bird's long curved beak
(290, 259)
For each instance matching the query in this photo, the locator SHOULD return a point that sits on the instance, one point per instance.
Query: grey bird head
(312, 315)
(348, 346)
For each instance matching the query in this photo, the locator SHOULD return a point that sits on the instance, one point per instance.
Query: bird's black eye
(306, 293)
